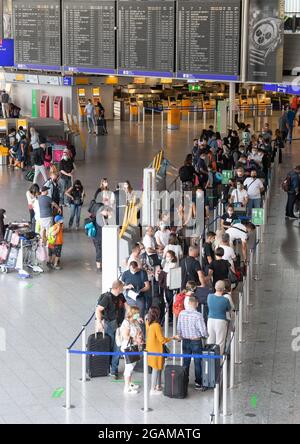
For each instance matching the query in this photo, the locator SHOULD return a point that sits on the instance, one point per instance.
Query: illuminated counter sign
(36, 27)
(146, 30)
(6, 52)
(208, 39)
(89, 36)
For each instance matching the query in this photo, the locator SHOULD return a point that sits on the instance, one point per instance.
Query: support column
(231, 103)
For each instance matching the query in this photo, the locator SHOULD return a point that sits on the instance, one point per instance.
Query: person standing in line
(154, 344)
(76, 195)
(290, 123)
(46, 213)
(31, 196)
(217, 324)
(255, 188)
(67, 169)
(110, 313)
(292, 192)
(191, 329)
(91, 116)
(131, 332)
(5, 104)
(136, 284)
(38, 158)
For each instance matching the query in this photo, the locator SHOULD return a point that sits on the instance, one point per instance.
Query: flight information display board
(89, 36)
(146, 44)
(208, 40)
(36, 27)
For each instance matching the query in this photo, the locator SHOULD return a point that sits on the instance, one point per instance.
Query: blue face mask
(136, 317)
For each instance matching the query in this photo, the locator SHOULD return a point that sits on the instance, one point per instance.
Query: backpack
(51, 238)
(286, 184)
(90, 229)
(178, 305)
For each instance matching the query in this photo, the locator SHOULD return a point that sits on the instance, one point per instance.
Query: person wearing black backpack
(292, 190)
(38, 157)
(187, 174)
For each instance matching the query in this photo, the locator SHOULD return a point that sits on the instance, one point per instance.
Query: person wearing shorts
(54, 250)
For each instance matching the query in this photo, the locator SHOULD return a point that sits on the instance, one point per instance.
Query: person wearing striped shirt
(191, 329)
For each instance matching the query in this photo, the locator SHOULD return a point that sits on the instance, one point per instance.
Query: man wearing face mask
(239, 197)
(254, 157)
(228, 217)
(254, 188)
(66, 168)
(202, 169)
(242, 162)
(240, 175)
(136, 284)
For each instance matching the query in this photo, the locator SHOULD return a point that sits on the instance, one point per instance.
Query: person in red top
(54, 250)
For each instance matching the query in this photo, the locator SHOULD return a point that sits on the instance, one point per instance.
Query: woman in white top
(31, 196)
(239, 196)
(130, 194)
(131, 333)
(107, 197)
(173, 245)
(169, 263)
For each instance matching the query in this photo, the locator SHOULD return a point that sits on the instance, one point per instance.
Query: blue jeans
(290, 136)
(75, 213)
(253, 203)
(110, 330)
(91, 124)
(190, 347)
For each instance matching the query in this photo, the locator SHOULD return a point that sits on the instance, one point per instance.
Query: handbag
(131, 348)
(41, 253)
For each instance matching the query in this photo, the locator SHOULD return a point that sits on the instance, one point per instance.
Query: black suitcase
(210, 367)
(98, 365)
(176, 381)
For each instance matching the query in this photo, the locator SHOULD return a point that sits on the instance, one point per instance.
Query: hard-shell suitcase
(29, 175)
(176, 381)
(98, 365)
(210, 366)
(12, 258)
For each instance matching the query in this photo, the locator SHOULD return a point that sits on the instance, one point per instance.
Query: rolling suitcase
(176, 381)
(210, 367)
(98, 365)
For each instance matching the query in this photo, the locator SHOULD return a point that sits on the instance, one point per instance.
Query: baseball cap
(45, 189)
(58, 218)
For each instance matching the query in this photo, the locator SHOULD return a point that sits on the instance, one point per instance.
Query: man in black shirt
(219, 268)
(110, 313)
(136, 281)
(208, 252)
(191, 269)
(66, 168)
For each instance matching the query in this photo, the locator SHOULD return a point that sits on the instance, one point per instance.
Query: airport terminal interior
(172, 96)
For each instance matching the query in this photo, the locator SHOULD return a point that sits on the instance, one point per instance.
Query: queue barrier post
(146, 389)
(216, 403)
(225, 383)
(152, 117)
(144, 114)
(241, 308)
(248, 285)
(68, 381)
(215, 219)
(236, 335)
(83, 357)
(232, 360)
(245, 317)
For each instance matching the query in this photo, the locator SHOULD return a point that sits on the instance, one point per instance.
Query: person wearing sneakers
(154, 344)
(131, 333)
(54, 250)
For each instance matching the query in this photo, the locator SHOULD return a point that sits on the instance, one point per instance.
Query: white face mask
(65, 157)
(132, 272)
(4, 216)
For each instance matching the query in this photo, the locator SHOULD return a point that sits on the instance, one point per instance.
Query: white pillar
(110, 256)
(231, 103)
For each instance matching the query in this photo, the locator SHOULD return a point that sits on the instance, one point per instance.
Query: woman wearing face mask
(228, 217)
(255, 188)
(131, 333)
(239, 197)
(76, 195)
(67, 169)
(106, 196)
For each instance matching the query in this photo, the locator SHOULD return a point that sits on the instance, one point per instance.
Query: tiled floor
(42, 320)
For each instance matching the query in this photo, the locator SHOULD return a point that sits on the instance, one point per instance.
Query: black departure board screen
(89, 36)
(146, 37)
(208, 39)
(36, 27)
